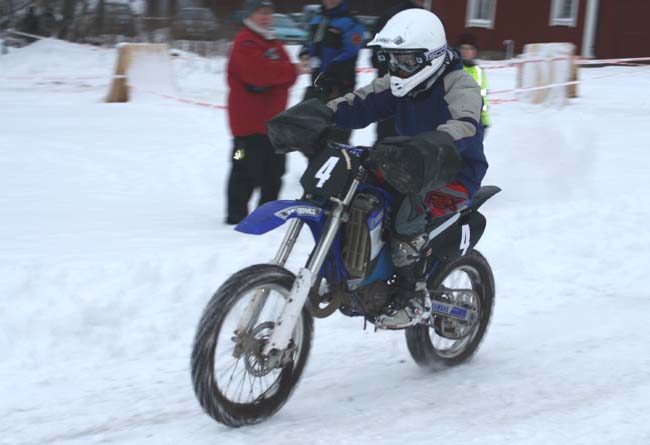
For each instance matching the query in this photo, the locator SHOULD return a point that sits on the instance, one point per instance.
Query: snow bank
(111, 242)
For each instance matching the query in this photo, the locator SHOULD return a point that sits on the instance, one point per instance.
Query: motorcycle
(254, 337)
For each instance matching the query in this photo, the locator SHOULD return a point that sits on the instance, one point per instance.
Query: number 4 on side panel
(464, 239)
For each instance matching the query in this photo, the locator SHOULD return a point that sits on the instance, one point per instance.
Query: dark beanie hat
(468, 39)
(252, 5)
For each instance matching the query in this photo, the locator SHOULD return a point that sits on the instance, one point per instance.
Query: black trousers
(254, 165)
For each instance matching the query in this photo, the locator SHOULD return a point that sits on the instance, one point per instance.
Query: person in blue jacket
(335, 40)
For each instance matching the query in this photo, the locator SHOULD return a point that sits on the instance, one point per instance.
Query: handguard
(427, 161)
(301, 127)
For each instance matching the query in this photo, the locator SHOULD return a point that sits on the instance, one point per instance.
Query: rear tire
(214, 343)
(423, 340)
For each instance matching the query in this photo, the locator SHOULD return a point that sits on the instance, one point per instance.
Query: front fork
(307, 275)
(254, 308)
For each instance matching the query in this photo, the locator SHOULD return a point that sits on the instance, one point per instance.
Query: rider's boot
(412, 302)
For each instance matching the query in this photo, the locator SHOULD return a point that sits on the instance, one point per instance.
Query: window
(564, 13)
(480, 13)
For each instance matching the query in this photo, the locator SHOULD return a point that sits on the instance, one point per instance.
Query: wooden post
(572, 90)
(119, 91)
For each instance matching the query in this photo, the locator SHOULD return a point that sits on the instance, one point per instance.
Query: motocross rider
(437, 161)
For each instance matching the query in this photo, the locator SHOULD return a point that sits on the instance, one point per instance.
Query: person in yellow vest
(468, 46)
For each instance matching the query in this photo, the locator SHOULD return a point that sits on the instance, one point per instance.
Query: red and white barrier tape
(644, 68)
(495, 101)
(223, 107)
(514, 63)
(497, 67)
(502, 101)
(612, 61)
(182, 100)
(191, 102)
(574, 82)
(511, 64)
(542, 87)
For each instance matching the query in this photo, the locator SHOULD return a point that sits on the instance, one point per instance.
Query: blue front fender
(275, 213)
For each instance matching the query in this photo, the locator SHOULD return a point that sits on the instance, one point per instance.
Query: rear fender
(458, 234)
(273, 214)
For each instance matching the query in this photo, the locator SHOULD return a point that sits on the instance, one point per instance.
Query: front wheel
(234, 382)
(443, 341)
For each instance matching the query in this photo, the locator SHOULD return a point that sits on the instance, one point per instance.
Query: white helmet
(414, 45)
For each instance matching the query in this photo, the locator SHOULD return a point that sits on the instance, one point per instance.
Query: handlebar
(360, 151)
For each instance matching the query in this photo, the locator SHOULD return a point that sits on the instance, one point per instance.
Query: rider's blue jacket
(452, 103)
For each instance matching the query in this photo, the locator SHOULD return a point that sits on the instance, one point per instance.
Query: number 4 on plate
(324, 173)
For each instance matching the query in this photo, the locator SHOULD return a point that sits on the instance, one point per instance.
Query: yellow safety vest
(479, 76)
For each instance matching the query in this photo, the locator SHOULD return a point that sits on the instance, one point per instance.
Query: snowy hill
(111, 243)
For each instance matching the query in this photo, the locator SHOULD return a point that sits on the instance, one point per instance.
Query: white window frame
(556, 8)
(472, 22)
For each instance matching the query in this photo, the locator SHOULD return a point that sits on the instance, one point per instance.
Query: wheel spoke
(262, 381)
(244, 373)
(231, 367)
(232, 375)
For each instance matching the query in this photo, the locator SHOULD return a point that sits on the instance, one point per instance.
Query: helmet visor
(405, 63)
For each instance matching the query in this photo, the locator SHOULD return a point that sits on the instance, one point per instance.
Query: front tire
(426, 342)
(220, 355)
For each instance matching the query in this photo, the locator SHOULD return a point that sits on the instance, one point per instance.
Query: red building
(598, 28)
(223, 8)
(369, 7)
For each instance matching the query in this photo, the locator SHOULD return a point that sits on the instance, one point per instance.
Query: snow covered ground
(111, 242)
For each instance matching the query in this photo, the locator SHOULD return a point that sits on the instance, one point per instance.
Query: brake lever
(365, 157)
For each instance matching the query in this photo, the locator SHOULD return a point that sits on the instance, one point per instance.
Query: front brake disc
(333, 301)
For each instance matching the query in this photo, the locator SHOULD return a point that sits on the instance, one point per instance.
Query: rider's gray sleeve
(463, 95)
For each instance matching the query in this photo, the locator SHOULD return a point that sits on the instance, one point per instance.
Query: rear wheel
(234, 382)
(443, 341)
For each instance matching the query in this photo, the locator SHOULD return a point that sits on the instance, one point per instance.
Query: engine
(362, 246)
(362, 239)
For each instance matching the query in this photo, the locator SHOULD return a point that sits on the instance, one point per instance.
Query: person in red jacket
(260, 74)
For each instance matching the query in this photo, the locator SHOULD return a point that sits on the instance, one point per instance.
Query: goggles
(406, 62)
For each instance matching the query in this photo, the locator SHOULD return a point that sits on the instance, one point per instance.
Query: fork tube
(254, 308)
(306, 277)
(322, 249)
(290, 238)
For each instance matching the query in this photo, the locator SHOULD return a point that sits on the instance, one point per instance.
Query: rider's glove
(326, 83)
(302, 127)
(337, 80)
(413, 164)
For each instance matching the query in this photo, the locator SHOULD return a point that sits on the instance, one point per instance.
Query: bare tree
(68, 17)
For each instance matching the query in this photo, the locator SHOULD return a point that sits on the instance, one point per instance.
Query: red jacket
(259, 76)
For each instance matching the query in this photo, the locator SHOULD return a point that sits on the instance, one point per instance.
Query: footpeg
(415, 311)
